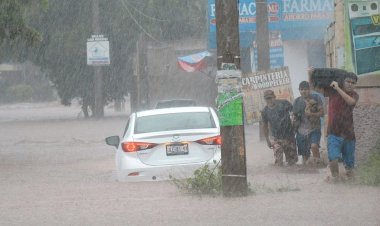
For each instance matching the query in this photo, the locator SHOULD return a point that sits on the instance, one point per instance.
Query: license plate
(177, 149)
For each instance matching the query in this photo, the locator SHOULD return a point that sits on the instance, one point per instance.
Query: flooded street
(72, 71)
(60, 172)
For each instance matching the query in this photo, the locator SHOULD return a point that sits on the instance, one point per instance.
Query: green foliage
(62, 53)
(65, 26)
(205, 181)
(20, 93)
(13, 22)
(14, 30)
(369, 173)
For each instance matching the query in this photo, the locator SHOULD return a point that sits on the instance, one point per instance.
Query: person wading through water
(276, 113)
(341, 139)
(307, 110)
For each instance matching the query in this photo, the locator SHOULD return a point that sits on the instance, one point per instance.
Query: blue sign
(276, 57)
(295, 19)
(276, 51)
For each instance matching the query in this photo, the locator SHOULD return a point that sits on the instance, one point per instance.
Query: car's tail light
(133, 174)
(136, 146)
(217, 140)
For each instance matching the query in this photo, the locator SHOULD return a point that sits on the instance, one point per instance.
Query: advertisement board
(229, 101)
(294, 19)
(254, 84)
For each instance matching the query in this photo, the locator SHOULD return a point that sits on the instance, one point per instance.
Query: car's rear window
(174, 121)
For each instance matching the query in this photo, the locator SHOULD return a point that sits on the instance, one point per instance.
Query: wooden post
(262, 42)
(234, 170)
(135, 82)
(140, 93)
(143, 76)
(262, 35)
(98, 76)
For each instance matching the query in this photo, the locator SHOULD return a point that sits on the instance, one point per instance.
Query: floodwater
(55, 169)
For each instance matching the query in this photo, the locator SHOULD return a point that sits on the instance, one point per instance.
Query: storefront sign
(254, 84)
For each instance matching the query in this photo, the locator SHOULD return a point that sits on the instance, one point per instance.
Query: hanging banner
(193, 62)
(254, 84)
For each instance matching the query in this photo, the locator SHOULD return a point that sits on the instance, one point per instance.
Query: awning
(193, 62)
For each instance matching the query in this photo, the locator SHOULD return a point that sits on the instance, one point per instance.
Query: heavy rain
(73, 72)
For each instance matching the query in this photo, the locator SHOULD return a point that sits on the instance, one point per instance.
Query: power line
(143, 14)
(137, 23)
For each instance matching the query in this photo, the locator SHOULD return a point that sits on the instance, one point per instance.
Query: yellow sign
(376, 19)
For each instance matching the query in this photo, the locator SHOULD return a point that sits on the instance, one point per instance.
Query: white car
(166, 142)
(175, 103)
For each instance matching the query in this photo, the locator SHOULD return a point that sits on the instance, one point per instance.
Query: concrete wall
(296, 58)
(369, 95)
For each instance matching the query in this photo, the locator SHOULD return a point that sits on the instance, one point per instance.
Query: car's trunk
(178, 147)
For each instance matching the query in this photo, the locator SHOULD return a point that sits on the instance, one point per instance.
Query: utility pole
(143, 73)
(135, 82)
(234, 170)
(262, 35)
(98, 76)
(141, 82)
(262, 42)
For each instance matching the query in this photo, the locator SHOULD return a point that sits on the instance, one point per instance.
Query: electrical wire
(137, 23)
(143, 14)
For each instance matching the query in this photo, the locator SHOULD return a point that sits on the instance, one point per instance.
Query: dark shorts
(304, 142)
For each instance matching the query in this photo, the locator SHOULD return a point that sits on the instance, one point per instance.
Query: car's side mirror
(113, 141)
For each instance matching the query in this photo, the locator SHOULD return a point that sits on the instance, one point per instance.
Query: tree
(14, 31)
(66, 25)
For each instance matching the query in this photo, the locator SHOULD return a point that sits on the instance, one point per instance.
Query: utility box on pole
(230, 101)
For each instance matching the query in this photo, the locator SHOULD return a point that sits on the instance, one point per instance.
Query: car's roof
(175, 103)
(172, 110)
(173, 100)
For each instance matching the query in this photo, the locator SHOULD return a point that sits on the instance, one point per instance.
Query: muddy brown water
(58, 171)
